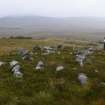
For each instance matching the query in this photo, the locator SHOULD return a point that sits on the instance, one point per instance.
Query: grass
(49, 87)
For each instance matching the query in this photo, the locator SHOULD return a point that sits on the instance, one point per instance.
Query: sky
(53, 8)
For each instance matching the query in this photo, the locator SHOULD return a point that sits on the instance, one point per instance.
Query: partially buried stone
(36, 48)
(24, 53)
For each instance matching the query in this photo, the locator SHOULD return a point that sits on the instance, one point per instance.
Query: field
(49, 87)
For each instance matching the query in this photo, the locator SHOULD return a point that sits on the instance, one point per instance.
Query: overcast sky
(55, 8)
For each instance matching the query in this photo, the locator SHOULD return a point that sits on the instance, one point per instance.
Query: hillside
(48, 26)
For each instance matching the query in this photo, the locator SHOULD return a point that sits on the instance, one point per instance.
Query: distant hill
(47, 26)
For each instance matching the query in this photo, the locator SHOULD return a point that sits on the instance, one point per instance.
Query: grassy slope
(49, 87)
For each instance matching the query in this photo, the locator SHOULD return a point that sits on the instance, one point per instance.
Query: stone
(22, 51)
(48, 50)
(25, 54)
(27, 57)
(40, 65)
(13, 63)
(18, 74)
(2, 63)
(36, 48)
(81, 63)
(80, 59)
(15, 68)
(60, 68)
(82, 78)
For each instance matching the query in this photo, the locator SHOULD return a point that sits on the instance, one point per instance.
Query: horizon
(15, 16)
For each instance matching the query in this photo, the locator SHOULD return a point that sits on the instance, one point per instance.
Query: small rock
(60, 68)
